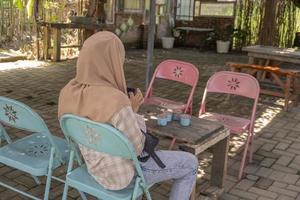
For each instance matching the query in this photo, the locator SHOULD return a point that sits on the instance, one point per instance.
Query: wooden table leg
(46, 42)
(56, 44)
(287, 92)
(219, 162)
(250, 59)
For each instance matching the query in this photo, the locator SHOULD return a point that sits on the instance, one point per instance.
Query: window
(185, 10)
(217, 9)
(130, 5)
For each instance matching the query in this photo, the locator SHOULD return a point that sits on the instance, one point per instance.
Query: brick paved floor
(274, 174)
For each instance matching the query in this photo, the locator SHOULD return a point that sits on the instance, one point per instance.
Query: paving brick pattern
(274, 173)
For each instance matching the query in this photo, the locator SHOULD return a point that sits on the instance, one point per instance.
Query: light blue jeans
(181, 166)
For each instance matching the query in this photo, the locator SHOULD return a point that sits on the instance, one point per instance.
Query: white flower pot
(223, 46)
(167, 42)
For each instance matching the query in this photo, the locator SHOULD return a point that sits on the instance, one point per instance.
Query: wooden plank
(56, 44)
(205, 144)
(199, 130)
(46, 42)
(277, 57)
(219, 163)
(274, 53)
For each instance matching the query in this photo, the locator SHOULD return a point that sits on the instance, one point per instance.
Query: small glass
(185, 120)
(169, 116)
(162, 119)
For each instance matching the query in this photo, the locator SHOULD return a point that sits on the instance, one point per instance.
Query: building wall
(133, 36)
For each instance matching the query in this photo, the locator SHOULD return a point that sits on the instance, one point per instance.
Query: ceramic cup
(169, 116)
(185, 120)
(162, 119)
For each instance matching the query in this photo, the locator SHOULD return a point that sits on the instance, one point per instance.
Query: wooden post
(219, 163)
(150, 44)
(47, 42)
(56, 44)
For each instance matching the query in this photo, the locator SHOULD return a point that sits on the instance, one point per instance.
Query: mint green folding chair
(39, 153)
(102, 138)
(4, 135)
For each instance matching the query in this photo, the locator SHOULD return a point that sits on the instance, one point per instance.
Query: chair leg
(49, 175)
(242, 166)
(251, 148)
(82, 195)
(65, 194)
(172, 144)
(36, 180)
(148, 196)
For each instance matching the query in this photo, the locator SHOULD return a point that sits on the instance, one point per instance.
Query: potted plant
(224, 38)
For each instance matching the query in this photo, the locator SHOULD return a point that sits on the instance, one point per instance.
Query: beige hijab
(99, 89)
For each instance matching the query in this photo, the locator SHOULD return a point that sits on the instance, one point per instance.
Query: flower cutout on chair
(39, 150)
(178, 71)
(10, 113)
(233, 83)
(93, 137)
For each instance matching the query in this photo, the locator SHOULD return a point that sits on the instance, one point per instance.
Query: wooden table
(264, 64)
(269, 54)
(54, 30)
(201, 135)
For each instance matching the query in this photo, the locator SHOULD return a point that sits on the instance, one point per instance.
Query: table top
(195, 29)
(197, 132)
(285, 52)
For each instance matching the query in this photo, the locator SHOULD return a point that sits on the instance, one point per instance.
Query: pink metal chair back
(179, 71)
(240, 84)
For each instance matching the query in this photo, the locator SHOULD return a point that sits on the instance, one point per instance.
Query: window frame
(192, 4)
(138, 11)
(218, 2)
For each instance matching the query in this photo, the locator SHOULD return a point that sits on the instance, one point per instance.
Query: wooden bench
(274, 81)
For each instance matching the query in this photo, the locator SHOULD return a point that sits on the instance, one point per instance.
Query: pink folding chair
(240, 84)
(179, 71)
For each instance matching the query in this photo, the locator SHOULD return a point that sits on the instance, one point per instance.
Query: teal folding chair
(4, 135)
(102, 138)
(39, 153)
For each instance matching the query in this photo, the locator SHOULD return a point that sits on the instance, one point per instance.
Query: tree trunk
(269, 26)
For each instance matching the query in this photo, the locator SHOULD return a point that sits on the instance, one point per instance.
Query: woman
(99, 93)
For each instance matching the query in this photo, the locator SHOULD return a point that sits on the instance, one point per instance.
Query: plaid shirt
(111, 172)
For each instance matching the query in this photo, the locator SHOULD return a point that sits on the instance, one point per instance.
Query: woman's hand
(136, 100)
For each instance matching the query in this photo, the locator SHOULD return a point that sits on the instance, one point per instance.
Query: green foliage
(224, 33)
(29, 8)
(18, 4)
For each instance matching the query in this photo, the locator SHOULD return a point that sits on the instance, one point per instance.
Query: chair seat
(235, 124)
(165, 103)
(31, 154)
(80, 178)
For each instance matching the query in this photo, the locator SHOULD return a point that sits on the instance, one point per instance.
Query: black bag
(150, 143)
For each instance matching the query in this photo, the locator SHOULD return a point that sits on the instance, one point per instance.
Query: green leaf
(18, 4)
(29, 8)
